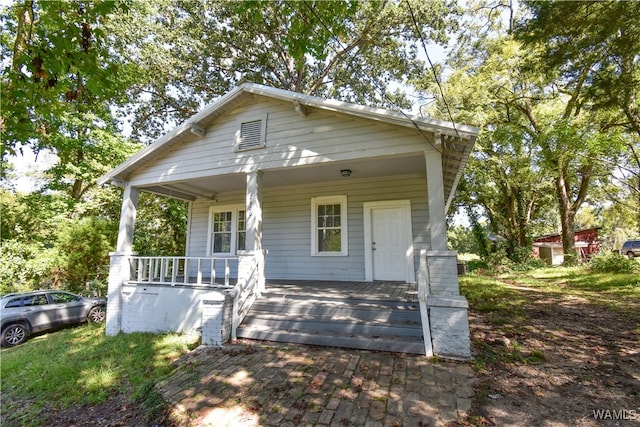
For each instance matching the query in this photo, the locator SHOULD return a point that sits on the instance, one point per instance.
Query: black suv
(23, 314)
(631, 248)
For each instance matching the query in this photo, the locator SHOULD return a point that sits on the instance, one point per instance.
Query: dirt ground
(584, 368)
(570, 363)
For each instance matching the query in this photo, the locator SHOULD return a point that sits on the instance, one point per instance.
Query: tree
(60, 80)
(191, 52)
(503, 176)
(570, 142)
(595, 45)
(83, 246)
(161, 226)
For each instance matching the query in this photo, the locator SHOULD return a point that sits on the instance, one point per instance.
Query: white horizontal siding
(287, 225)
(291, 140)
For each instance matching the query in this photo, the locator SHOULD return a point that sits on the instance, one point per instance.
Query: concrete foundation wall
(164, 308)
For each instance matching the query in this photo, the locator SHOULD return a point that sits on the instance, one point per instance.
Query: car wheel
(630, 255)
(97, 314)
(14, 335)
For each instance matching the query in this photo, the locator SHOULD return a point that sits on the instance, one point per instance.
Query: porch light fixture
(345, 172)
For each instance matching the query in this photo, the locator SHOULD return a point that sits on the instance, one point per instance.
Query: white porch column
(435, 192)
(447, 309)
(254, 222)
(120, 268)
(254, 211)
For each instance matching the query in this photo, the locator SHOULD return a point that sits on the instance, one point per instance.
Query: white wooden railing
(173, 270)
(423, 295)
(248, 288)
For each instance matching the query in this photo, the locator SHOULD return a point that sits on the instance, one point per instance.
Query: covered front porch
(197, 295)
(329, 191)
(213, 295)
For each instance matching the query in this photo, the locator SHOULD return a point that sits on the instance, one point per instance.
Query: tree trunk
(567, 216)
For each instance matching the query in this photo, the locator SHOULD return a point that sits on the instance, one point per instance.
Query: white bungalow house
(285, 186)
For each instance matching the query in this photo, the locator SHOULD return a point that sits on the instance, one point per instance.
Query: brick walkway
(274, 384)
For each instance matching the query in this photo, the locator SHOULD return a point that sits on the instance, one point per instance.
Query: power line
(372, 80)
(435, 75)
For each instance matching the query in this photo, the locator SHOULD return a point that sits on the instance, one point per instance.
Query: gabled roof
(226, 101)
(454, 158)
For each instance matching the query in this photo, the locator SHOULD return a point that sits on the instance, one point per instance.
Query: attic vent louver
(251, 135)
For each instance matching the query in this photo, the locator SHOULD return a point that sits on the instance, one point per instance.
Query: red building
(549, 247)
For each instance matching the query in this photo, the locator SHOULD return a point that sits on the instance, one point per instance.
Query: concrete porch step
(338, 319)
(302, 324)
(338, 311)
(401, 344)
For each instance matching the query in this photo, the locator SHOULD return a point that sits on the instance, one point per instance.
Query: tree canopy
(545, 130)
(554, 88)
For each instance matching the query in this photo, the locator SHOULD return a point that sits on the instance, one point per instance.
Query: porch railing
(162, 270)
(423, 294)
(248, 288)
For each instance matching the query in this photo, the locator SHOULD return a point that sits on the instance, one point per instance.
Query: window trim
(263, 132)
(234, 209)
(344, 236)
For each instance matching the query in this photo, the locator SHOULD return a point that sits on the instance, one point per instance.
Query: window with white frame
(329, 226)
(227, 230)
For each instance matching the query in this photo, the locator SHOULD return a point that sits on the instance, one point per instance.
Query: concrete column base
(449, 322)
(119, 274)
(448, 310)
(443, 273)
(216, 319)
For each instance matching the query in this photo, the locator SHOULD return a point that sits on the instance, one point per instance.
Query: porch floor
(379, 291)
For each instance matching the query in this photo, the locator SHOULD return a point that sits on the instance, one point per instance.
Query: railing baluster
(174, 271)
(199, 279)
(227, 272)
(186, 270)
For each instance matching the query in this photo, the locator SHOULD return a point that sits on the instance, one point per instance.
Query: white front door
(388, 240)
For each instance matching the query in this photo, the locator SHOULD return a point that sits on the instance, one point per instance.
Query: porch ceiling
(208, 187)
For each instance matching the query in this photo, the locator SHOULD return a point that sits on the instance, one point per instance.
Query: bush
(524, 260)
(83, 250)
(477, 264)
(613, 262)
(24, 266)
(498, 262)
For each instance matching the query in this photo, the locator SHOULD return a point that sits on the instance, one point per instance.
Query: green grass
(83, 366)
(618, 292)
(504, 307)
(492, 294)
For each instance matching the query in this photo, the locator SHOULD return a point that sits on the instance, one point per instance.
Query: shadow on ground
(252, 383)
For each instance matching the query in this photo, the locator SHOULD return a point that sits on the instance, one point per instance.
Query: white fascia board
(408, 120)
(463, 164)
